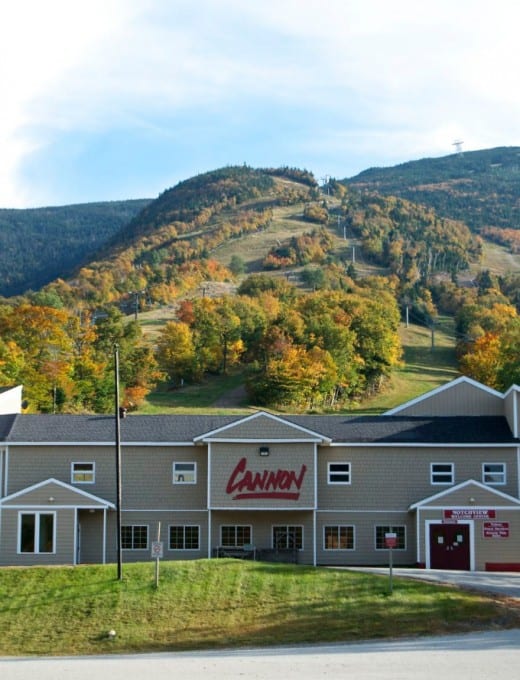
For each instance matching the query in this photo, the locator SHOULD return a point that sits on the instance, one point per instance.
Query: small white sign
(157, 550)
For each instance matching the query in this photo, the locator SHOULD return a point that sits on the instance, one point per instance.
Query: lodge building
(441, 472)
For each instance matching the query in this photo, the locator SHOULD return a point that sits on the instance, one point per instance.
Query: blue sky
(116, 99)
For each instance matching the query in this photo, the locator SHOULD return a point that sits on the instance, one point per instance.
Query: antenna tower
(458, 145)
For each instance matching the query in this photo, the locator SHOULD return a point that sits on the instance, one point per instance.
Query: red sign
(469, 513)
(496, 529)
(390, 540)
(280, 484)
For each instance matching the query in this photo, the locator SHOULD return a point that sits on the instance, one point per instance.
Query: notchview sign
(280, 484)
(469, 513)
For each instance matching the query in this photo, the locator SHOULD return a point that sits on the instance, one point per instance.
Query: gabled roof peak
(463, 379)
(273, 428)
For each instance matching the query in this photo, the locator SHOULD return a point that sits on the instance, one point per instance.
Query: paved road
(479, 656)
(502, 583)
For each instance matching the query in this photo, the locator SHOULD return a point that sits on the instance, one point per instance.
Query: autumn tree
(176, 352)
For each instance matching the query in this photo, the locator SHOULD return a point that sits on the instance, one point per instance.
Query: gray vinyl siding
(91, 536)
(166, 519)
(30, 465)
(487, 550)
(50, 496)
(397, 477)
(457, 400)
(501, 550)
(64, 528)
(147, 478)
(512, 411)
(289, 456)
(263, 429)
(262, 528)
(364, 552)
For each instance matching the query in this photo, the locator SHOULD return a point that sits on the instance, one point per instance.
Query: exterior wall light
(263, 450)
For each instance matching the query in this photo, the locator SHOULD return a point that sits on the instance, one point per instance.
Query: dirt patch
(235, 397)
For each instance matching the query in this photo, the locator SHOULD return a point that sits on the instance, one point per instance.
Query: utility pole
(117, 415)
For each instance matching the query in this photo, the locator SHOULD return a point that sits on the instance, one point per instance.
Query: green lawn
(209, 604)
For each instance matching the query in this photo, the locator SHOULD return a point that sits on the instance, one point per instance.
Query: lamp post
(118, 465)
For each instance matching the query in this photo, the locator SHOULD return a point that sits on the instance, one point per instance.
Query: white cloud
(385, 76)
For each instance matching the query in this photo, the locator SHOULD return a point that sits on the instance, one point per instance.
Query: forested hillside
(480, 188)
(303, 322)
(38, 245)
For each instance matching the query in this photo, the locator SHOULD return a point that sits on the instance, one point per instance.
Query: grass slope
(209, 604)
(428, 362)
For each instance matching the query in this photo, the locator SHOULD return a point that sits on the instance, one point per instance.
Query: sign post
(157, 553)
(390, 542)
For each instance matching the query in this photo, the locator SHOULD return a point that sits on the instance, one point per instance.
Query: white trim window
(82, 473)
(184, 537)
(235, 535)
(37, 532)
(184, 473)
(339, 473)
(134, 537)
(288, 537)
(442, 474)
(340, 537)
(399, 531)
(494, 473)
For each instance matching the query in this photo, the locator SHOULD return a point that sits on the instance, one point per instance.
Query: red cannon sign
(279, 484)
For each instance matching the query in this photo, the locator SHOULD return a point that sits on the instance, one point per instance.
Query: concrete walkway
(501, 583)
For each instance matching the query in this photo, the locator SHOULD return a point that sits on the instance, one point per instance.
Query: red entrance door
(449, 546)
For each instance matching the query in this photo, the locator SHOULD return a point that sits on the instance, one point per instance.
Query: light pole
(118, 465)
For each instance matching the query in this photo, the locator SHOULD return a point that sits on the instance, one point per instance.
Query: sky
(118, 99)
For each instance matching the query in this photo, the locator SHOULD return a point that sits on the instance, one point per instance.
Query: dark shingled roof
(184, 428)
(6, 423)
(71, 428)
(411, 429)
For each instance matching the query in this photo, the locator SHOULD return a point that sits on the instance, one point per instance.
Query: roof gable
(262, 426)
(481, 494)
(62, 494)
(463, 382)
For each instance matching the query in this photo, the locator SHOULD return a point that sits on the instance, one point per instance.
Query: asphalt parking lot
(500, 583)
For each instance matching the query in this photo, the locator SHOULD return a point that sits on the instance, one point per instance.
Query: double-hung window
(83, 473)
(235, 536)
(442, 473)
(338, 537)
(37, 532)
(494, 473)
(184, 537)
(134, 537)
(339, 473)
(288, 537)
(184, 473)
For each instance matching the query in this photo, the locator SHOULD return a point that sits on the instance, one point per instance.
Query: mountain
(480, 188)
(169, 247)
(40, 244)
(411, 218)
